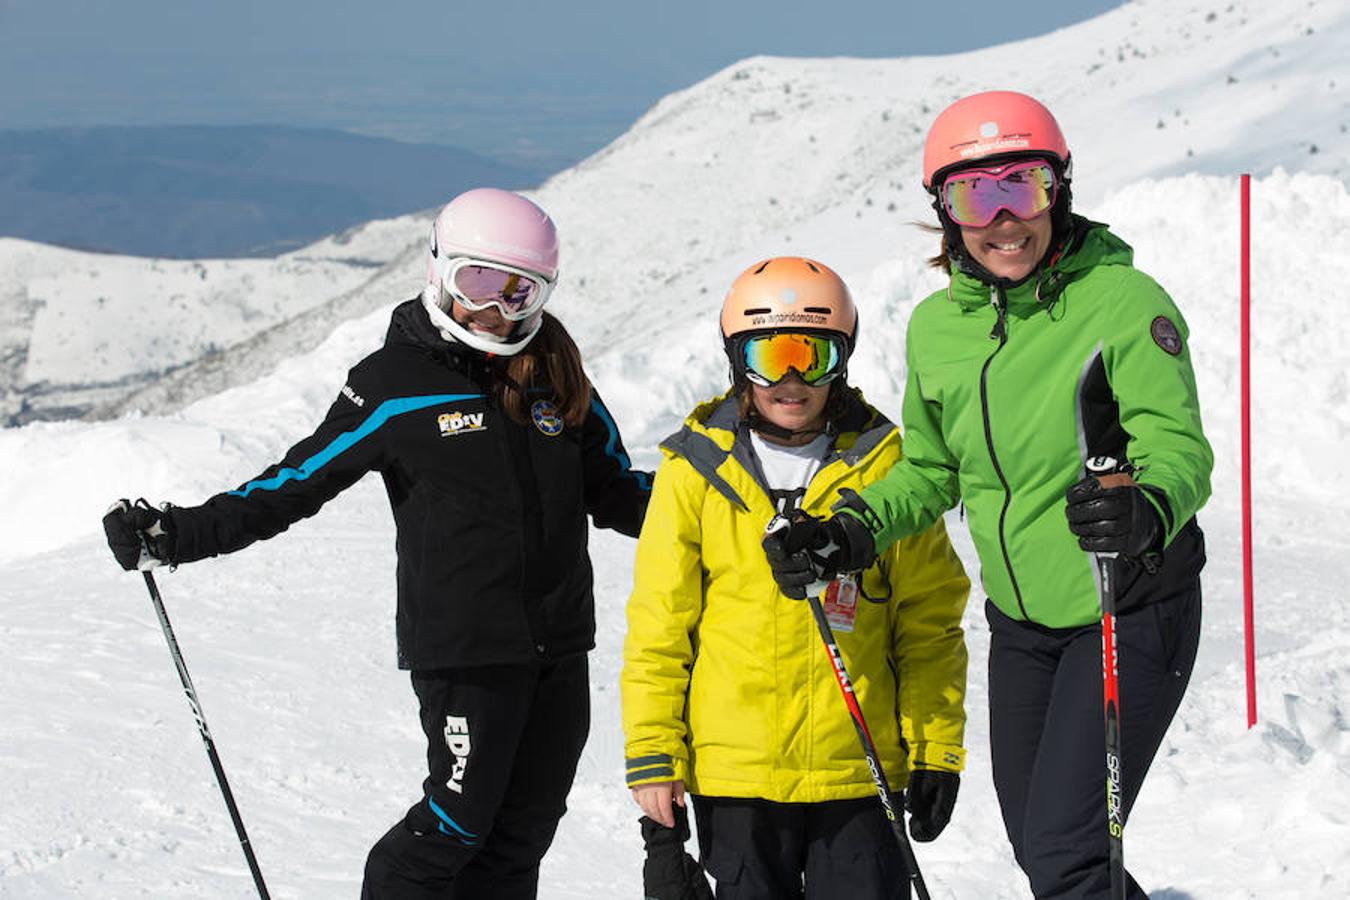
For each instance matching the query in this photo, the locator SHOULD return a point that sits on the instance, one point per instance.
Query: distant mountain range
(769, 156)
(204, 191)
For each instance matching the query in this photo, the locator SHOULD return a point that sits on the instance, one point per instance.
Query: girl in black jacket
(494, 448)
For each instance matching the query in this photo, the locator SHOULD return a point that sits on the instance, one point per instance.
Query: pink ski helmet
(494, 227)
(991, 124)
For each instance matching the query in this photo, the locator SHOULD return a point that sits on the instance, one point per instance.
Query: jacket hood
(410, 326)
(1089, 245)
(714, 431)
(722, 414)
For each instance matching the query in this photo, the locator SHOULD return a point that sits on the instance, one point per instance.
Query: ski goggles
(477, 284)
(975, 197)
(766, 359)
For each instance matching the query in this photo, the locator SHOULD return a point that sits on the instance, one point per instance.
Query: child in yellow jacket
(727, 690)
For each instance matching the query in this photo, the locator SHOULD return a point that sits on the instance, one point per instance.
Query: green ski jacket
(1010, 392)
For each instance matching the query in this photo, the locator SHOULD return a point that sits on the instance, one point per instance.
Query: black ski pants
(761, 850)
(502, 749)
(1047, 733)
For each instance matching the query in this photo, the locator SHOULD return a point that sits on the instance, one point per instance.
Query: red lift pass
(840, 603)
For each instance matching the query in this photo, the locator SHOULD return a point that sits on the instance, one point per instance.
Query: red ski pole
(1108, 473)
(894, 816)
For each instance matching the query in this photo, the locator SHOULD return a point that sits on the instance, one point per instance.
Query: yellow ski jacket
(726, 684)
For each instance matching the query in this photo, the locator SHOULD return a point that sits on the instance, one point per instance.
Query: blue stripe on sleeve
(612, 451)
(381, 414)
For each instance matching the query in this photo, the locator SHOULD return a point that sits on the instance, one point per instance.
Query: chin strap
(755, 422)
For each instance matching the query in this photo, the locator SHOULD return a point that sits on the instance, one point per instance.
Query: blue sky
(551, 82)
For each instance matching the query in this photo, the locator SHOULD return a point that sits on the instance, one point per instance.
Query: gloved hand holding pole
(773, 535)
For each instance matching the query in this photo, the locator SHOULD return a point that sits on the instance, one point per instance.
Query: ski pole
(895, 817)
(206, 734)
(1109, 474)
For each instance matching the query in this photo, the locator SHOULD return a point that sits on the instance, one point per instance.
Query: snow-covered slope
(291, 642)
(81, 330)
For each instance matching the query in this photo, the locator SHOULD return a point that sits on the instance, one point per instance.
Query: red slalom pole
(1248, 614)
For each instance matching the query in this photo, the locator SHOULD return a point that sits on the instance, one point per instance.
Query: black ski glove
(810, 550)
(1113, 520)
(669, 873)
(138, 534)
(929, 798)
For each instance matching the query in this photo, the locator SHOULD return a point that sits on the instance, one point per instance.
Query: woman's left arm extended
(1148, 364)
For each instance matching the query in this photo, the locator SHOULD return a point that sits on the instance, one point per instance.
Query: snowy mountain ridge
(736, 167)
(81, 330)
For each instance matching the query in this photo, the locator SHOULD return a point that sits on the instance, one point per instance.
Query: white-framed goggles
(476, 284)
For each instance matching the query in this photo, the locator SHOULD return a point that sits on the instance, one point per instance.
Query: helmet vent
(758, 311)
(762, 266)
(812, 266)
(822, 310)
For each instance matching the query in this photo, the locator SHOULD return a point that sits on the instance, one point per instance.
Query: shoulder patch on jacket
(1165, 335)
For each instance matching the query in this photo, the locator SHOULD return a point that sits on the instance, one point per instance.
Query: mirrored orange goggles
(767, 359)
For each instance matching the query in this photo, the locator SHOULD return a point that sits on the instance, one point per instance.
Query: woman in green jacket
(727, 689)
(1047, 349)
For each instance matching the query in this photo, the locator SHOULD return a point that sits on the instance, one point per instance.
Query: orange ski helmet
(990, 125)
(801, 299)
(789, 293)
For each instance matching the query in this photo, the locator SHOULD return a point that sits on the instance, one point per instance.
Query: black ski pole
(1110, 474)
(894, 816)
(206, 734)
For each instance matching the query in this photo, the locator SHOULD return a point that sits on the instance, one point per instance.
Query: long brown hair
(552, 363)
(943, 260)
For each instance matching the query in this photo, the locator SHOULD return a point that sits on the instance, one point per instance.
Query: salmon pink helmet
(993, 124)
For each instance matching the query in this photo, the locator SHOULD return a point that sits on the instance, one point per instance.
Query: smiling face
(794, 405)
(487, 321)
(1009, 247)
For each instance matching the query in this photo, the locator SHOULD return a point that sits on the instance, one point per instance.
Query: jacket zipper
(1000, 333)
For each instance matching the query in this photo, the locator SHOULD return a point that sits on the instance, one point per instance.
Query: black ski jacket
(490, 514)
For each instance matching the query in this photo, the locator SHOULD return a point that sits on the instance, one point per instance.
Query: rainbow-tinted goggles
(766, 359)
(975, 197)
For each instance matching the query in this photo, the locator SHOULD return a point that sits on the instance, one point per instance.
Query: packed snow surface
(107, 790)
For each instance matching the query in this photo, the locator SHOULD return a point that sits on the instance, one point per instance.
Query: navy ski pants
(761, 850)
(502, 749)
(1046, 733)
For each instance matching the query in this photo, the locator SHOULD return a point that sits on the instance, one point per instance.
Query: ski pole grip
(1108, 472)
(779, 523)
